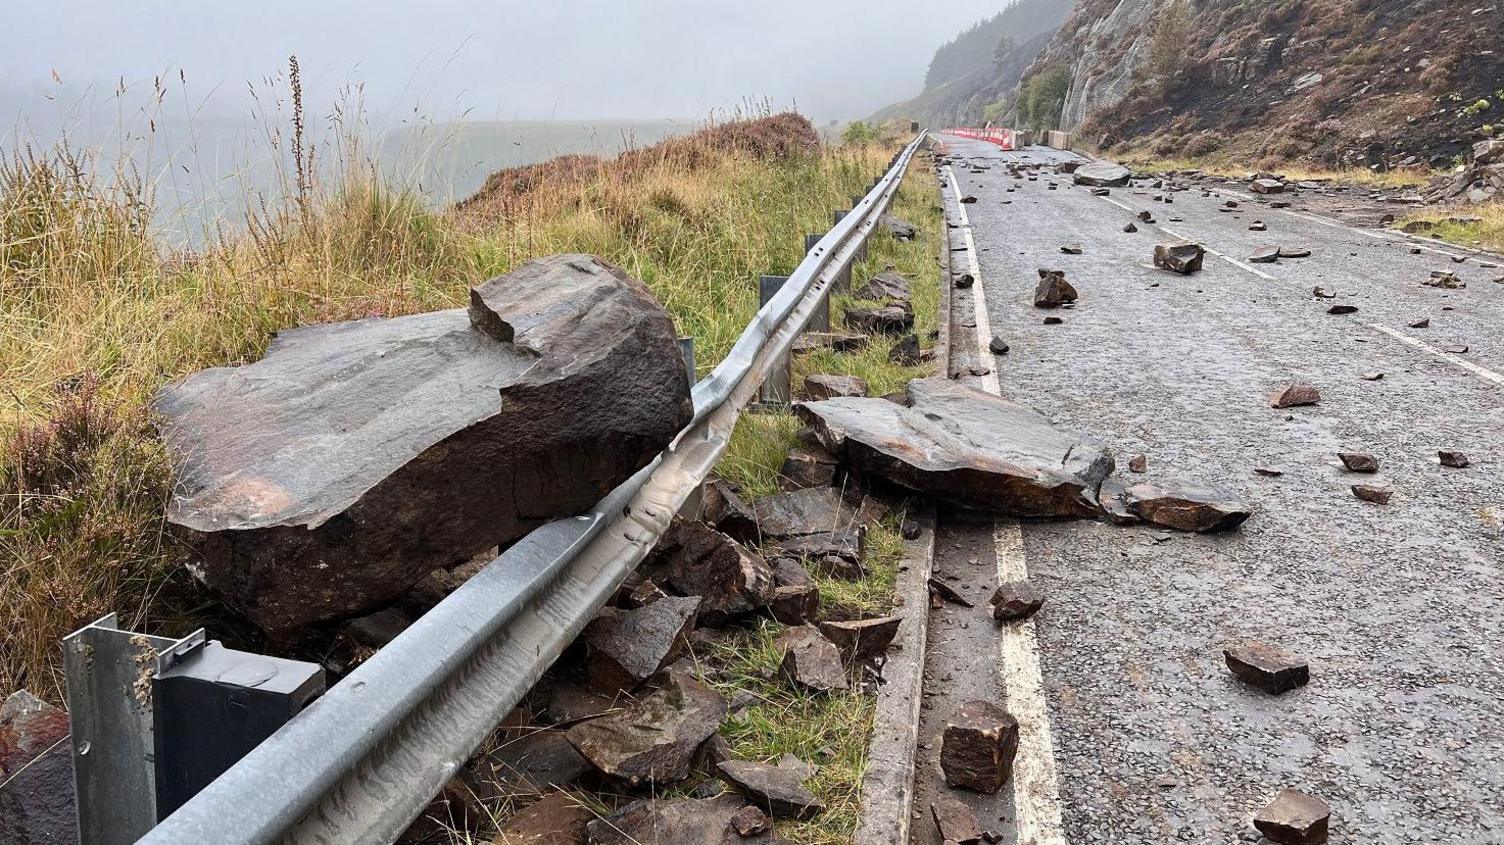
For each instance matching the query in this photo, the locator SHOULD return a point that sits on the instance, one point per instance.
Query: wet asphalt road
(1398, 608)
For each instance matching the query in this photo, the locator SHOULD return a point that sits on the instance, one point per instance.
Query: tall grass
(96, 313)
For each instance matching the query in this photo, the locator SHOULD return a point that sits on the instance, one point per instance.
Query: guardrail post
(776, 387)
(687, 352)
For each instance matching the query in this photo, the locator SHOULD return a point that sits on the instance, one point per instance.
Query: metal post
(687, 352)
(776, 387)
(810, 241)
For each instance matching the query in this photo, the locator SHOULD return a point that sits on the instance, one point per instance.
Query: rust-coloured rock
(1295, 395)
(1266, 667)
(1015, 601)
(810, 661)
(795, 605)
(652, 740)
(557, 819)
(862, 640)
(532, 764)
(696, 560)
(1358, 462)
(955, 821)
(978, 747)
(1294, 818)
(355, 458)
(1370, 493)
(629, 646)
(773, 789)
(1186, 506)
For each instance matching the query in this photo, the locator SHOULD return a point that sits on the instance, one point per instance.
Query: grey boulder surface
(1102, 174)
(966, 446)
(327, 478)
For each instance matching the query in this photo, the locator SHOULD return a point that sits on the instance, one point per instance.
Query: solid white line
(1463, 363)
(1036, 783)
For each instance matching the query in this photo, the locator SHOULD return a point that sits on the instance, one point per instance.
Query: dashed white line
(1233, 261)
(1481, 372)
(1036, 781)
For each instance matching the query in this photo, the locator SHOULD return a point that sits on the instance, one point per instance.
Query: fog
(507, 60)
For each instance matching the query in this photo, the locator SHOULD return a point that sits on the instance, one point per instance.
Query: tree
(1169, 39)
(857, 133)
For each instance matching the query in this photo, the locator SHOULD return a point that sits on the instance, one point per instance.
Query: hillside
(1365, 83)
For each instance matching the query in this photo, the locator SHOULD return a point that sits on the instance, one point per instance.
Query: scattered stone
(694, 559)
(1101, 192)
(1359, 462)
(1266, 186)
(750, 821)
(1015, 601)
(1370, 493)
(1183, 257)
(1321, 293)
(900, 229)
(1423, 323)
(1258, 226)
(795, 605)
(532, 764)
(773, 789)
(811, 662)
(652, 740)
(825, 386)
(997, 346)
(1455, 460)
(1139, 463)
(818, 522)
(1130, 228)
(1342, 309)
(1444, 279)
(629, 646)
(1146, 216)
(557, 819)
(906, 352)
(807, 466)
(1071, 249)
(946, 593)
(1294, 252)
(683, 821)
(1295, 395)
(888, 285)
(1294, 818)
(955, 821)
(886, 319)
(1112, 498)
(1373, 376)
(1102, 174)
(978, 747)
(789, 573)
(1264, 255)
(862, 640)
(1053, 290)
(1271, 472)
(372, 452)
(1052, 321)
(1188, 506)
(1266, 667)
(834, 341)
(964, 281)
(721, 506)
(974, 449)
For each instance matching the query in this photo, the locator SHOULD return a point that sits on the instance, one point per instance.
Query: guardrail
(1005, 138)
(361, 762)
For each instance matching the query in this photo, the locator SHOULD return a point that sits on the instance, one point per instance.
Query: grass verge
(1388, 179)
(1479, 226)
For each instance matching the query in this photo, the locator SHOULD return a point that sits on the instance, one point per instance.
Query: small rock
(1372, 376)
(978, 747)
(1071, 249)
(825, 386)
(1370, 493)
(1342, 309)
(1130, 228)
(1359, 462)
(1053, 290)
(1266, 186)
(906, 352)
(964, 281)
(731, 580)
(997, 346)
(654, 739)
(1294, 818)
(1295, 395)
(1321, 293)
(1053, 321)
(1187, 506)
(1146, 216)
(1423, 323)
(887, 286)
(629, 646)
(1264, 255)
(968, 200)
(773, 789)
(945, 592)
(955, 821)
(862, 640)
(1258, 226)
(1294, 252)
(834, 341)
(556, 819)
(1182, 257)
(1101, 192)
(1266, 667)
(1271, 472)
(750, 821)
(811, 662)
(795, 605)
(1139, 463)
(1015, 601)
(886, 319)
(807, 466)
(1456, 460)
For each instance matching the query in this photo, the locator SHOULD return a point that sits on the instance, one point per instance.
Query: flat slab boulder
(885, 286)
(777, 790)
(36, 773)
(1102, 174)
(654, 739)
(966, 446)
(355, 458)
(1186, 506)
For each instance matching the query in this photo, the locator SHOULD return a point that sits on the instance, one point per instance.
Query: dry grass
(1217, 166)
(1480, 226)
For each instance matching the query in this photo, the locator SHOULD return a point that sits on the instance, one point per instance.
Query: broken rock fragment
(1186, 506)
(355, 458)
(978, 747)
(955, 821)
(1182, 257)
(900, 229)
(1053, 290)
(773, 789)
(886, 319)
(807, 466)
(1264, 255)
(811, 662)
(1295, 395)
(557, 819)
(885, 286)
(1102, 174)
(1358, 462)
(36, 773)
(1455, 460)
(966, 446)
(1071, 249)
(862, 640)
(694, 559)
(654, 739)
(1266, 667)
(997, 346)
(1342, 309)
(795, 605)
(629, 646)
(1294, 818)
(1266, 186)
(1370, 493)
(824, 386)
(1015, 601)
(683, 821)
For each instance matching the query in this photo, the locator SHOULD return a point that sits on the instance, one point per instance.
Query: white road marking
(1036, 782)
(1167, 230)
(1481, 372)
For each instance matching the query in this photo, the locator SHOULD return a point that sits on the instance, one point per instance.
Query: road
(1141, 734)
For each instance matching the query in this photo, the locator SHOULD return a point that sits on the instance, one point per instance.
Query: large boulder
(966, 446)
(1102, 174)
(357, 457)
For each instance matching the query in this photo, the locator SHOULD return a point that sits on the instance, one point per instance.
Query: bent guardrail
(361, 762)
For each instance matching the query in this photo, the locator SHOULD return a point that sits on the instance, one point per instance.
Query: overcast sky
(505, 59)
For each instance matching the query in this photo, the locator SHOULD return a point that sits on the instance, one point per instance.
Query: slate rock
(885, 319)
(1053, 290)
(1139, 463)
(807, 466)
(1102, 174)
(818, 520)
(1146, 216)
(834, 341)
(355, 458)
(900, 229)
(978, 747)
(750, 821)
(1370, 493)
(955, 821)
(811, 662)
(1358, 462)
(1266, 667)
(694, 559)
(906, 352)
(722, 506)
(1071, 249)
(1266, 186)
(964, 281)
(1455, 460)
(773, 789)
(968, 199)
(1130, 228)
(965, 446)
(1187, 506)
(1112, 499)
(1264, 255)
(532, 764)
(1423, 323)
(1294, 818)
(1342, 309)
(37, 805)
(652, 740)
(1015, 601)
(788, 573)
(888, 285)
(1295, 395)
(1181, 257)
(629, 646)
(682, 821)
(795, 605)
(1294, 252)
(997, 346)
(824, 386)
(1258, 226)
(862, 640)
(557, 819)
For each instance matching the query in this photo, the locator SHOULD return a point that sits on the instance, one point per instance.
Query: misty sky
(507, 59)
